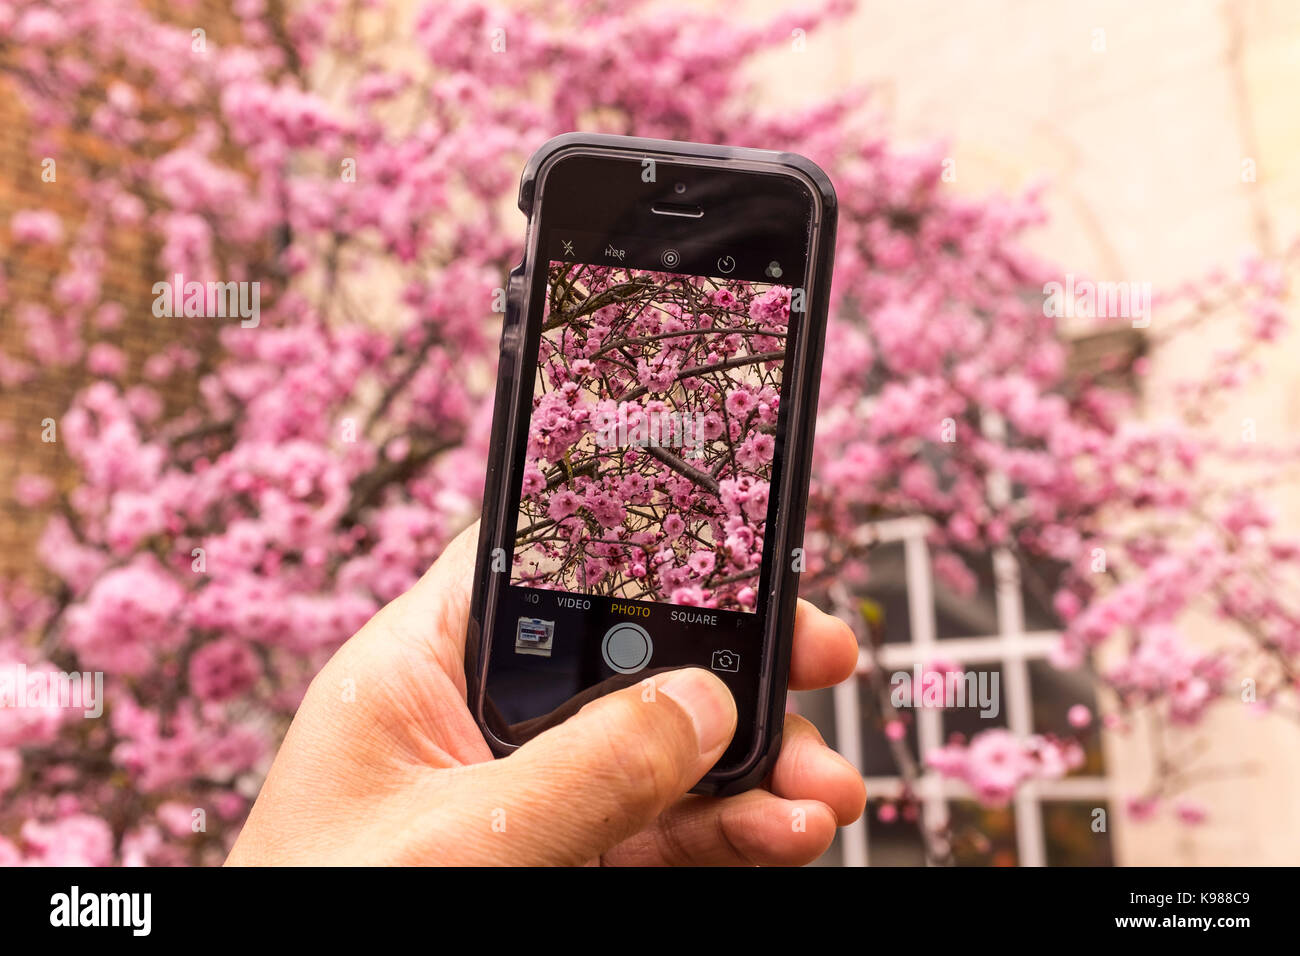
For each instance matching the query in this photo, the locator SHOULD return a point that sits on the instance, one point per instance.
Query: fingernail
(708, 702)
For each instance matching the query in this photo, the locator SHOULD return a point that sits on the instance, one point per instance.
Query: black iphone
(655, 406)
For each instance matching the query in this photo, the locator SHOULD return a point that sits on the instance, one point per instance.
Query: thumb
(607, 772)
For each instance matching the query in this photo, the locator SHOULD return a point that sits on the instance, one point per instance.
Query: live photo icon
(534, 636)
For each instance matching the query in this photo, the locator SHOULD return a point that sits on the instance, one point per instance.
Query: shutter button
(627, 647)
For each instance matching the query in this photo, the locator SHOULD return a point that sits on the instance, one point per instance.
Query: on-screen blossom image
(653, 436)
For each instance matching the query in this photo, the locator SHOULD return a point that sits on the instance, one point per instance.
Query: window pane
(887, 588)
(988, 685)
(982, 836)
(1054, 693)
(877, 757)
(959, 614)
(1069, 836)
(1038, 580)
(893, 834)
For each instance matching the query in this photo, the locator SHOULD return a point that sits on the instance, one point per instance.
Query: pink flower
(756, 451)
(533, 481)
(556, 425)
(606, 508)
(739, 402)
(32, 491)
(133, 517)
(11, 766)
(1142, 808)
(701, 563)
(1067, 605)
(562, 504)
(995, 765)
(40, 26)
(104, 359)
(223, 669)
(76, 840)
(127, 618)
(962, 529)
(658, 375)
(176, 818)
(1079, 716)
(38, 722)
(756, 502)
(772, 307)
(36, 227)
(689, 596)
(9, 854)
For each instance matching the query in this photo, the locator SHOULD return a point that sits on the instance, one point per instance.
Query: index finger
(825, 650)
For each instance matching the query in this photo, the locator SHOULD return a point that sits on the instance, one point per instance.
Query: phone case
(799, 446)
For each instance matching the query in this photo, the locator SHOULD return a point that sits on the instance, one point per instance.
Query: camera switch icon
(725, 661)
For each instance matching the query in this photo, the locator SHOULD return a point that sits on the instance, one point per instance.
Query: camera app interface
(646, 480)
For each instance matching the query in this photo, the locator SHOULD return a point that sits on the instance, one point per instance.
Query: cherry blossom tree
(358, 166)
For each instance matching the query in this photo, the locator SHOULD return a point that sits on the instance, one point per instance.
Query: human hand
(400, 773)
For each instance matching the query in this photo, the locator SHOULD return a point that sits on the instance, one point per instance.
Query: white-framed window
(1044, 815)
(1048, 821)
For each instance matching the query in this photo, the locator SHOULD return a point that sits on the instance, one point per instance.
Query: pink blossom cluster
(996, 762)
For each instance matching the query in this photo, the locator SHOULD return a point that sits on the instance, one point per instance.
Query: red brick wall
(29, 272)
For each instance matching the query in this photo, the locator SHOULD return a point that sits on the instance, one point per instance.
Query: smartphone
(650, 448)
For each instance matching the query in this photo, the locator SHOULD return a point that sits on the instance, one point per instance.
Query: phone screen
(649, 466)
(652, 438)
